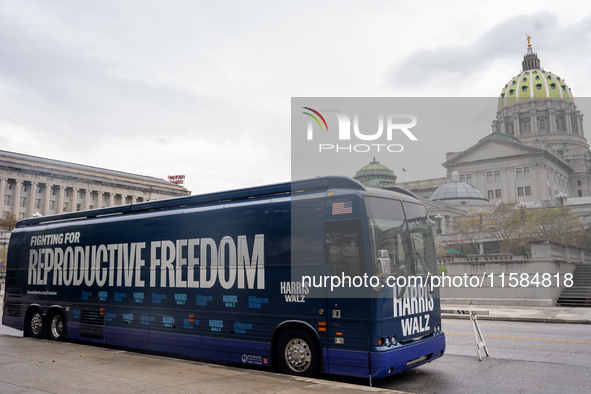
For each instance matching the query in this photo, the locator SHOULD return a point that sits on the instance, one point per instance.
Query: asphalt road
(524, 358)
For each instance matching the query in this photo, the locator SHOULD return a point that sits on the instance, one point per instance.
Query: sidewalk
(42, 366)
(522, 313)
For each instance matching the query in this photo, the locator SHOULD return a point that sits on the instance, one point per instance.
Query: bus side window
(343, 247)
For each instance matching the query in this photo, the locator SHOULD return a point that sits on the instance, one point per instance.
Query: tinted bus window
(387, 233)
(344, 240)
(421, 239)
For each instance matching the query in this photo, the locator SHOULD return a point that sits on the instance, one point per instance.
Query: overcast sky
(203, 88)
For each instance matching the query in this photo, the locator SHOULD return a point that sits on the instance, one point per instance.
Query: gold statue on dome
(528, 39)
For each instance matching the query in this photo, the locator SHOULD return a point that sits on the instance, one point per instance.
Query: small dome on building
(375, 174)
(456, 190)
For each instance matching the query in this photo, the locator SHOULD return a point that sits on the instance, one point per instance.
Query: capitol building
(535, 153)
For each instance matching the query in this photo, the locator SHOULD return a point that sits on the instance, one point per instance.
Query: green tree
(557, 224)
(582, 237)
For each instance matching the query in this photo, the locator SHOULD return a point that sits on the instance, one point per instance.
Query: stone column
(86, 199)
(2, 193)
(32, 198)
(552, 120)
(536, 181)
(548, 183)
(111, 199)
(568, 121)
(74, 199)
(578, 123)
(516, 128)
(60, 199)
(18, 184)
(506, 193)
(482, 179)
(534, 122)
(99, 199)
(46, 199)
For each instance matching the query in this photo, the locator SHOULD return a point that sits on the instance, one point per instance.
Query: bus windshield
(401, 244)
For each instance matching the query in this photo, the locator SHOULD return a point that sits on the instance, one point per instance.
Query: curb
(519, 319)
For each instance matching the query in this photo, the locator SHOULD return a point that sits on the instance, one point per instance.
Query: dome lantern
(530, 60)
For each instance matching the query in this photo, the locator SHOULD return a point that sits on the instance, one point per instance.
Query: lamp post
(438, 218)
(561, 198)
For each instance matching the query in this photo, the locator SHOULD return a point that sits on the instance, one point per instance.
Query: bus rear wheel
(35, 324)
(56, 326)
(297, 354)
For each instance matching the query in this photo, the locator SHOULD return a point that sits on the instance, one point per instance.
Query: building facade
(537, 149)
(535, 154)
(32, 185)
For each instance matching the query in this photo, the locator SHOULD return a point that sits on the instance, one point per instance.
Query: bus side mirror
(383, 263)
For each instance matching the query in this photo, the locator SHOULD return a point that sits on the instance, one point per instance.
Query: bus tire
(35, 324)
(56, 326)
(297, 353)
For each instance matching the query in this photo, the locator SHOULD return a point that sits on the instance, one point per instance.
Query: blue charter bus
(298, 276)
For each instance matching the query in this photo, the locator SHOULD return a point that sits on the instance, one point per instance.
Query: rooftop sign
(176, 179)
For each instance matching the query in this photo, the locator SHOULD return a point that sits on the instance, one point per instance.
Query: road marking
(526, 338)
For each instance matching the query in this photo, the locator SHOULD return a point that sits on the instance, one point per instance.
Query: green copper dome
(533, 83)
(375, 174)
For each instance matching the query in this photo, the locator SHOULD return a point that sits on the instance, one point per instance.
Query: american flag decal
(342, 208)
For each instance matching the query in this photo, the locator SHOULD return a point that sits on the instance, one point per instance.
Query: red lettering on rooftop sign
(176, 179)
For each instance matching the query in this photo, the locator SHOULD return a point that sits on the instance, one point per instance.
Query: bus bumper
(399, 359)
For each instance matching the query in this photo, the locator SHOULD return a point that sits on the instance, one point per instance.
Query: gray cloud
(504, 43)
(84, 95)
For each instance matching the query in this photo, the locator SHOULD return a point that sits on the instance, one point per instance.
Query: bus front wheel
(297, 353)
(35, 324)
(56, 326)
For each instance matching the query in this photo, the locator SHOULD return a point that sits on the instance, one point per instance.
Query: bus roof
(287, 188)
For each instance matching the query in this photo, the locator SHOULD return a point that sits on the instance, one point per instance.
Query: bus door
(403, 249)
(347, 302)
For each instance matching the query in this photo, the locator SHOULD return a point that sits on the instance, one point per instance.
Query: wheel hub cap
(36, 323)
(298, 355)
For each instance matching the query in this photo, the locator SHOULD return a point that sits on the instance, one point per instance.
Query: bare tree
(9, 223)
(507, 224)
(472, 227)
